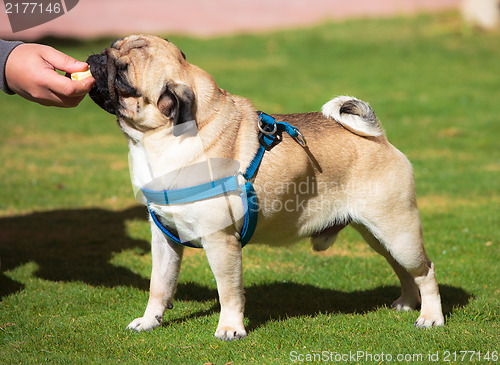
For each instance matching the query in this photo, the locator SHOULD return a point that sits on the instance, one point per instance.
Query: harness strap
(269, 136)
(193, 193)
(166, 231)
(251, 208)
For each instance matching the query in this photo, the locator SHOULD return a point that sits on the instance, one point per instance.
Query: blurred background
(97, 18)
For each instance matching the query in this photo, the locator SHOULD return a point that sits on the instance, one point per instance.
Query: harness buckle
(300, 138)
(262, 128)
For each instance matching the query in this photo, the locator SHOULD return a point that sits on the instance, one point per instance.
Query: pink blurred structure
(94, 18)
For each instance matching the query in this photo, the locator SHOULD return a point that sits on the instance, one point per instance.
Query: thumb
(63, 62)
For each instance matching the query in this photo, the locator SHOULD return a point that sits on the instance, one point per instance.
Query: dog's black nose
(97, 64)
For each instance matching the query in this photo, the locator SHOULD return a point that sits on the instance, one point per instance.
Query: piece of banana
(78, 76)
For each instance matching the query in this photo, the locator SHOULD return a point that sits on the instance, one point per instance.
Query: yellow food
(78, 76)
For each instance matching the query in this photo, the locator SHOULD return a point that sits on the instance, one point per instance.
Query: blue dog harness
(269, 136)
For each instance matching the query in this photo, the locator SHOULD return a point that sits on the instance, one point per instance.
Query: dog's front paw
(229, 334)
(145, 324)
(429, 321)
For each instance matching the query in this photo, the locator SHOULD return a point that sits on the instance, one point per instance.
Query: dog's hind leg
(410, 297)
(399, 239)
(166, 257)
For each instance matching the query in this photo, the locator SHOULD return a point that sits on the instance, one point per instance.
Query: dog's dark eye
(124, 88)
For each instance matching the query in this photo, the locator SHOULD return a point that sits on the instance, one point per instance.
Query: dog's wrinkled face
(144, 81)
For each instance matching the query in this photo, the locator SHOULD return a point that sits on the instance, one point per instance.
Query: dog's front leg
(224, 257)
(166, 257)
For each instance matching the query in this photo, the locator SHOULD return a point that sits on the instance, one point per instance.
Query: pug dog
(175, 116)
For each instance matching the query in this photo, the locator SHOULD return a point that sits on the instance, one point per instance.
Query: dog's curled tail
(355, 115)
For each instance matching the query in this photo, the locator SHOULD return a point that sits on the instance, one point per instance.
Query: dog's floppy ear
(176, 102)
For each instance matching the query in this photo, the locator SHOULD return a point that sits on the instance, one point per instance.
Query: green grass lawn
(75, 249)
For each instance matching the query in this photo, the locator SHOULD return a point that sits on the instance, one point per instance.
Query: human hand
(30, 72)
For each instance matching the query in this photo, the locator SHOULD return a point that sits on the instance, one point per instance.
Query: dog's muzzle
(103, 92)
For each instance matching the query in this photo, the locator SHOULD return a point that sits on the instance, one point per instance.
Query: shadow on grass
(77, 245)
(284, 300)
(70, 245)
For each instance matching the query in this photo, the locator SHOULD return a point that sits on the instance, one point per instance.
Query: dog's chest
(150, 161)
